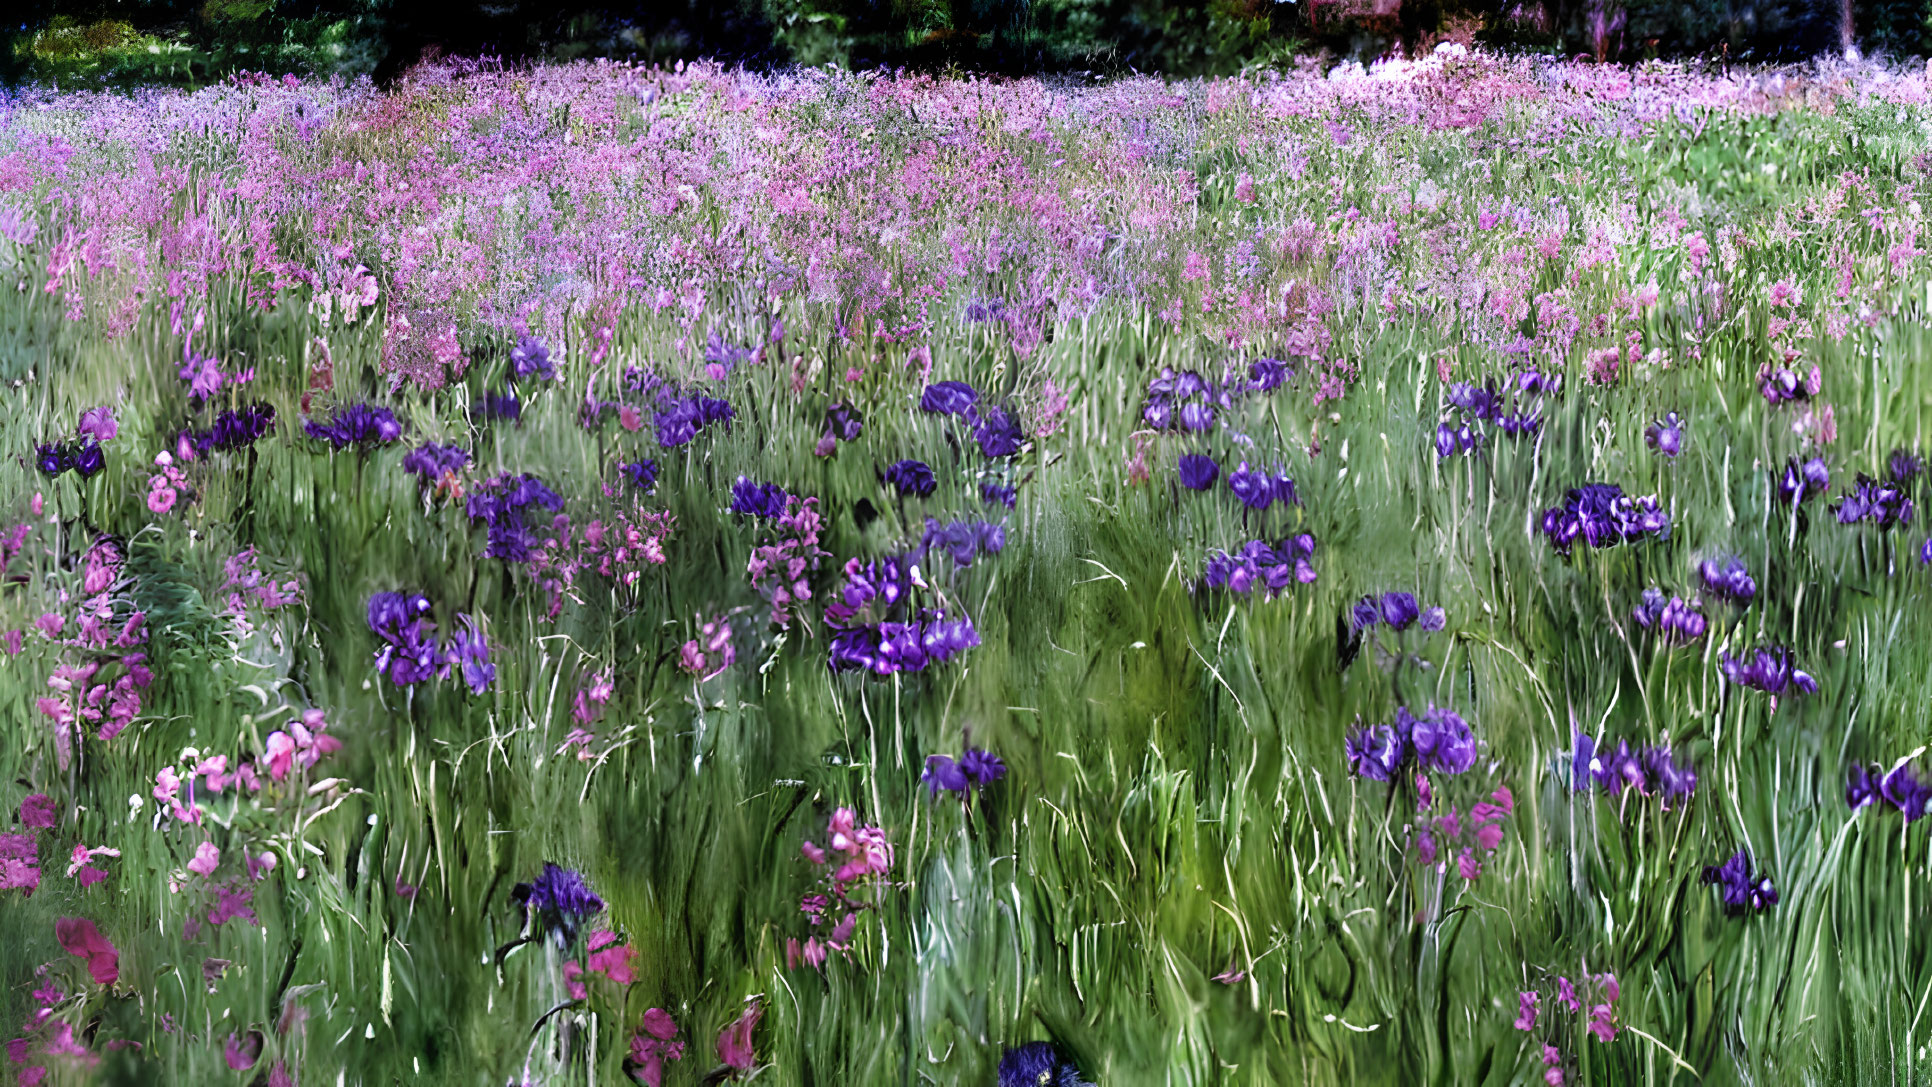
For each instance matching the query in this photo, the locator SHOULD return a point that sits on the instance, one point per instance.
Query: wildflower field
(597, 574)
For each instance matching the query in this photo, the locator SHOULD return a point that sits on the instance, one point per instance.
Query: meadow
(595, 574)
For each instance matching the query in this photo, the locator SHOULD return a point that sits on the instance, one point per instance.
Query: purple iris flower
(559, 901)
(983, 767)
(998, 433)
(843, 421)
(1196, 416)
(1267, 375)
(1601, 515)
(530, 358)
(1376, 752)
(1399, 610)
(641, 473)
(88, 459)
(963, 540)
(53, 458)
(758, 499)
(1198, 471)
(947, 397)
(1742, 890)
(1905, 465)
(943, 773)
(1441, 739)
(432, 461)
(1884, 505)
(911, 477)
(1005, 494)
(1728, 577)
(358, 424)
(1037, 1064)
(1671, 617)
(1255, 489)
(98, 424)
(237, 429)
(469, 650)
(1666, 435)
(1802, 481)
(1769, 670)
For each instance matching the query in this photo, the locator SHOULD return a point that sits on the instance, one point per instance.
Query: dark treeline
(192, 41)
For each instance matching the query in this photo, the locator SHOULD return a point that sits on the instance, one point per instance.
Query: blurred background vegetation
(128, 42)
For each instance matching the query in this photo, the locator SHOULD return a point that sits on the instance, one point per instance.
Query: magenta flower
(1526, 1003)
(98, 424)
(38, 811)
(80, 937)
(207, 859)
(734, 1042)
(654, 1043)
(242, 1053)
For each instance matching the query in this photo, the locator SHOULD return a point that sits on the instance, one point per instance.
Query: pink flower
(734, 1042)
(281, 754)
(1784, 293)
(12, 640)
(1566, 995)
(207, 859)
(812, 852)
(1526, 1010)
(38, 811)
(80, 937)
(1244, 188)
(1468, 865)
(98, 424)
(261, 866)
(653, 1044)
(1425, 848)
(79, 868)
(629, 418)
(1602, 1023)
(241, 1054)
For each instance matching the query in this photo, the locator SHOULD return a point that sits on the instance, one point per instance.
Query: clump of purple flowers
(1727, 577)
(1882, 504)
(1255, 563)
(1666, 435)
(911, 477)
(1037, 1064)
(494, 405)
(1198, 471)
(994, 428)
(434, 463)
(1258, 490)
(83, 455)
(410, 655)
(237, 429)
(962, 540)
(1187, 401)
(1599, 995)
(1397, 611)
(1653, 771)
(975, 769)
(1783, 385)
(641, 473)
(1601, 515)
(757, 499)
(679, 419)
(1514, 408)
(1898, 787)
(1802, 481)
(867, 636)
(504, 504)
(1439, 741)
(1769, 669)
(843, 423)
(530, 358)
(557, 903)
(994, 492)
(358, 424)
(1672, 617)
(1744, 891)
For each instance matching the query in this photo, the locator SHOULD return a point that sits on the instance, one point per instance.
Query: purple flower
(911, 477)
(1801, 482)
(1198, 471)
(88, 459)
(530, 358)
(53, 459)
(1255, 489)
(1005, 494)
(1037, 1064)
(1267, 375)
(1861, 787)
(1478, 401)
(1376, 752)
(947, 398)
(98, 424)
(432, 462)
(963, 540)
(1900, 788)
(983, 767)
(1526, 1010)
(1905, 466)
(1434, 619)
(1727, 577)
(1769, 670)
(236, 429)
(559, 900)
(1366, 613)
(358, 424)
(1602, 516)
(943, 773)
(469, 650)
(1666, 435)
(1884, 505)
(203, 376)
(1197, 416)
(641, 473)
(1256, 564)
(1783, 385)
(1673, 618)
(843, 421)
(998, 433)
(758, 499)
(503, 405)
(1440, 738)
(1399, 610)
(1741, 892)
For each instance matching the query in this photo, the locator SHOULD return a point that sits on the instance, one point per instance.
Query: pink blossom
(734, 1042)
(78, 866)
(207, 859)
(12, 641)
(242, 1053)
(80, 937)
(38, 811)
(1602, 1023)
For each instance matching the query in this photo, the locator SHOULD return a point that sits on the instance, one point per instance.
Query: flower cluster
(1769, 669)
(102, 640)
(711, 652)
(1187, 401)
(655, 1042)
(1514, 409)
(619, 550)
(911, 477)
(1744, 891)
(994, 428)
(1438, 741)
(867, 639)
(294, 748)
(410, 655)
(1802, 481)
(531, 359)
(1602, 516)
(642, 474)
(236, 428)
(853, 861)
(758, 499)
(363, 425)
(781, 567)
(1601, 998)
(1671, 617)
(962, 541)
(166, 484)
(1783, 385)
(1038, 1064)
(1898, 787)
(1666, 436)
(1397, 611)
(1883, 504)
(437, 466)
(975, 769)
(1259, 489)
(843, 423)
(504, 505)
(1255, 563)
(82, 455)
(1727, 577)
(678, 419)
(556, 904)
(1652, 771)
(1470, 837)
